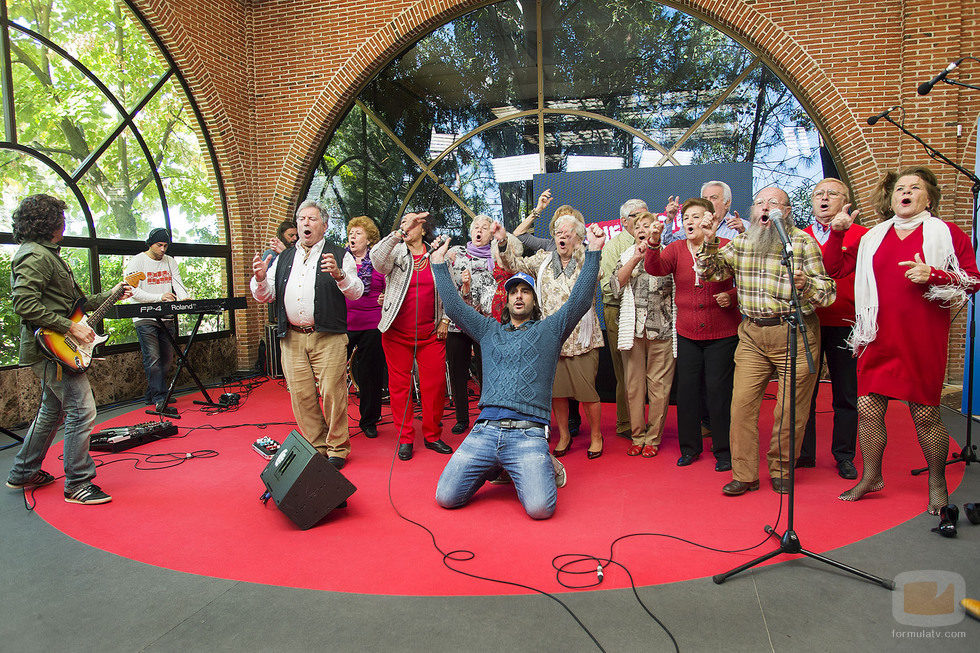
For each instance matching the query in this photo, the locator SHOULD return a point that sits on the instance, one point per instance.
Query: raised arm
(465, 316)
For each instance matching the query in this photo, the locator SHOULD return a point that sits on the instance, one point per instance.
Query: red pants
(430, 354)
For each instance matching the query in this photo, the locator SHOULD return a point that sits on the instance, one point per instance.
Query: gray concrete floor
(60, 594)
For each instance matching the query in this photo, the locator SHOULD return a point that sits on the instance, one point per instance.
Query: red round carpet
(204, 515)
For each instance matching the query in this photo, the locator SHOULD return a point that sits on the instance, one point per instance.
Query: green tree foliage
(63, 115)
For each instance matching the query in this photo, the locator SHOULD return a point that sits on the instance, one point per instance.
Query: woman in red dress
(909, 271)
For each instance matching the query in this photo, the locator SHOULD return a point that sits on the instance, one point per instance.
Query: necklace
(694, 259)
(420, 263)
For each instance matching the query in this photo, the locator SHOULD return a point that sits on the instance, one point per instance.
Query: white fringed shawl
(937, 245)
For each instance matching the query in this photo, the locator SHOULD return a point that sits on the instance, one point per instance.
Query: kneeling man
(519, 360)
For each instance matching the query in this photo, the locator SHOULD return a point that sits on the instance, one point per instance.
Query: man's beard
(764, 238)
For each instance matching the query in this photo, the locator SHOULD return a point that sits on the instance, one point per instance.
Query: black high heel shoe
(972, 511)
(948, 516)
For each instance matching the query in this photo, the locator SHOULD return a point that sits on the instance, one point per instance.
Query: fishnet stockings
(933, 439)
(873, 438)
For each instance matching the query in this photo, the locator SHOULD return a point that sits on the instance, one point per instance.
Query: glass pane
(21, 176)
(205, 278)
(169, 128)
(9, 322)
(59, 111)
(103, 36)
(363, 172)
(111, 269)
(455, 77)
(124, 196)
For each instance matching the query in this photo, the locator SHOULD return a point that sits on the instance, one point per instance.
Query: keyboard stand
(162, 408)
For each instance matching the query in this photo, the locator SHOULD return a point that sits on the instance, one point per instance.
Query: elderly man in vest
(308, 284)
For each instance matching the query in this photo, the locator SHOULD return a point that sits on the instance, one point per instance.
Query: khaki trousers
(762, 350)
(311, 361)
(611, 316)
(649, 375)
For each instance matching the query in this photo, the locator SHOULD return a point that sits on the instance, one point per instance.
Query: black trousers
(705, 371)
(459, 354)
(842, 367)
(370, 373)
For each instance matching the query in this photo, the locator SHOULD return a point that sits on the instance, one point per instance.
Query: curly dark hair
(38, 217)
(882, 198)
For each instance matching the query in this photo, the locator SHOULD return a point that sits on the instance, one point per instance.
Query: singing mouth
(690, 229)
(764, 218)
(824, 206)
(307, 232)
(906, 201)
(561, 243)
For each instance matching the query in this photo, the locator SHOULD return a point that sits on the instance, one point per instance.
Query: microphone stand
(969, 452)
(789, 542)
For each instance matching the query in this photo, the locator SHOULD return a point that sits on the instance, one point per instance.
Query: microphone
(925, 87)
(436, 244)
(878, 116)
(776, 217)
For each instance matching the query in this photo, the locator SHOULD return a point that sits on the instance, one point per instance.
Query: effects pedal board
(266, 447)
(126, 437)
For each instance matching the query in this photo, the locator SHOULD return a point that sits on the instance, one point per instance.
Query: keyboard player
(162, 283)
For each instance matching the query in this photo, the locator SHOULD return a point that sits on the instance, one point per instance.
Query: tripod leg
(884, 582)
(721, 578)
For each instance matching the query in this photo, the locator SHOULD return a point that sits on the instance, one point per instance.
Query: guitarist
(43, 293)
(162, 284)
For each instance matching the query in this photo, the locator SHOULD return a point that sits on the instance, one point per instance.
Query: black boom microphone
(878, 116)
(925, 87)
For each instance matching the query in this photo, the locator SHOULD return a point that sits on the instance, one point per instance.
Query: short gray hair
(629, 206)
(578, 225)
(319, 207)
(482, 217)
(726, 189)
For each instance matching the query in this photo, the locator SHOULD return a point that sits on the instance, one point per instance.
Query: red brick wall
(273, 77)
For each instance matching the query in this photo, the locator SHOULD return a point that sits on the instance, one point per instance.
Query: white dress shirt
(301, 284)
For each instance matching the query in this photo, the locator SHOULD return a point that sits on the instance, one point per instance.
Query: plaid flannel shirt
(762, 282)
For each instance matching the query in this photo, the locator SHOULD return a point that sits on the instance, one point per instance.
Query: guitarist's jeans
(69, 400)
(158, 354)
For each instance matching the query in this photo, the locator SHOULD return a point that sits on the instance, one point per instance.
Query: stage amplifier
(121, 438)
(303, 484)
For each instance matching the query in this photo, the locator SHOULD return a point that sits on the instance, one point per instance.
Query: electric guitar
(63, 349)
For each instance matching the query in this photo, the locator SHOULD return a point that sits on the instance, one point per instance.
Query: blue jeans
(158, 354)
(523, 453)
(69, 400)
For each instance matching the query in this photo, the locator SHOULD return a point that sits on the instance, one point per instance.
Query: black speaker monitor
(304, 485)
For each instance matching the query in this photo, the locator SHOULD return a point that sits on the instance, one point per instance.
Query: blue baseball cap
(517, 278)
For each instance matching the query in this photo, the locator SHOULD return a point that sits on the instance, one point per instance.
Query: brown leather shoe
(780, 485)
(736, 488)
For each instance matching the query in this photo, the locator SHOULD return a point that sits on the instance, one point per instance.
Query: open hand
(260, 266)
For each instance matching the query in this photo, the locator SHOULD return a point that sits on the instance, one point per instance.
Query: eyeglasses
(769, 202)
(829, 194)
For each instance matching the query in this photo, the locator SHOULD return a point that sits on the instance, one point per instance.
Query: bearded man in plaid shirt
(754, 258)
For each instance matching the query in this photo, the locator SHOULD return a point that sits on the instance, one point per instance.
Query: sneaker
(88, 494)
(39, 478)
(503, 478)
(560, 476)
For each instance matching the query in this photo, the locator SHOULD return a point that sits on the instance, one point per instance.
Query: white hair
(629, 206)
(319, 207)
(482, 217)
(725, 188)
(578, 225)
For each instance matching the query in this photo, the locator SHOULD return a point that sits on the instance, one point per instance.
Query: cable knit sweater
(519, 364)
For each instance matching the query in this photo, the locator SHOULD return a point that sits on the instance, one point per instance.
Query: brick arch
(753, 28)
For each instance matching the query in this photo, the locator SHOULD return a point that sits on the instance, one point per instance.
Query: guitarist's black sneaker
(88, 494)
(40, 478)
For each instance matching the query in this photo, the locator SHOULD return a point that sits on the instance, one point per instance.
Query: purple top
(364, 312)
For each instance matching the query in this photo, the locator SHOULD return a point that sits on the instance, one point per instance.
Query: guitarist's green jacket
(43, 294)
